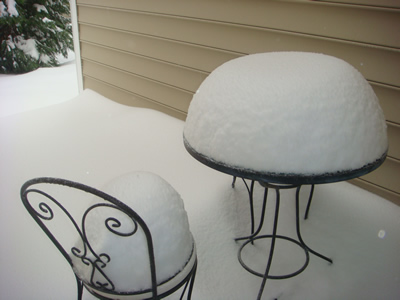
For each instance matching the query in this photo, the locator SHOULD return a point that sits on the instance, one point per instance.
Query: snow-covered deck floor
(91, 139)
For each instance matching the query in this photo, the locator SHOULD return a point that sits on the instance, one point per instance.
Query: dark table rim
(284, 178)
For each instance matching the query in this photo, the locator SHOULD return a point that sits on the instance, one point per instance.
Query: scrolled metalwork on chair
(80, 235)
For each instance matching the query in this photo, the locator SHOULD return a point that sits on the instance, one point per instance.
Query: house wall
(156, 53)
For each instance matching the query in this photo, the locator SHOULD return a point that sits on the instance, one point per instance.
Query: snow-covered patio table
(286, 119)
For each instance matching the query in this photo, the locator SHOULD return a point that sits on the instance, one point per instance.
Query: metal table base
(274, 236)
(250, 191)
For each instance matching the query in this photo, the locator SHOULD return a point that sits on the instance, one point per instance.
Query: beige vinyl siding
(155, 53)
(375, 3)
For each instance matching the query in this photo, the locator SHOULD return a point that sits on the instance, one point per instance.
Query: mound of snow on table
(287, 112)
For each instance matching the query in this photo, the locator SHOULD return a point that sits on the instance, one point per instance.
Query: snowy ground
(38, 88)
(92, 140)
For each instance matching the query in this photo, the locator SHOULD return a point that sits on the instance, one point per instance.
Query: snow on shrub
(33, 33)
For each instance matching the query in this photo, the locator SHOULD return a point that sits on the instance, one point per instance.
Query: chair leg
(190, 283)
(79, 287)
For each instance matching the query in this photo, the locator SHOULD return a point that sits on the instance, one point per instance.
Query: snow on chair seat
(117, 252)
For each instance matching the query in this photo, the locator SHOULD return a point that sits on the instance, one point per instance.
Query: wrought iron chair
(122, 222)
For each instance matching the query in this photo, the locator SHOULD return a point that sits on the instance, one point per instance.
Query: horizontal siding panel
(363, 24)
(378, 64)
(168, 73)
(156, 91)
(394, 141)
(385, 193)
(389, 98)
(386, 176)
(188, 55)
(191, 78)
(128, 98)
(376, 3)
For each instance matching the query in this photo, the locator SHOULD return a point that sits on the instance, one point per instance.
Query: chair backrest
(46, 204)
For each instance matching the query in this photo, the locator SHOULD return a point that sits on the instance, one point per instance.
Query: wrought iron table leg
(251, 192)
(271, 251)
(273, 237)
(254, 236)
(309, 202)
(263, 209)
(298, 228)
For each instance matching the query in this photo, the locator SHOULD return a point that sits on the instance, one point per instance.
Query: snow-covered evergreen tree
(33, 33)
